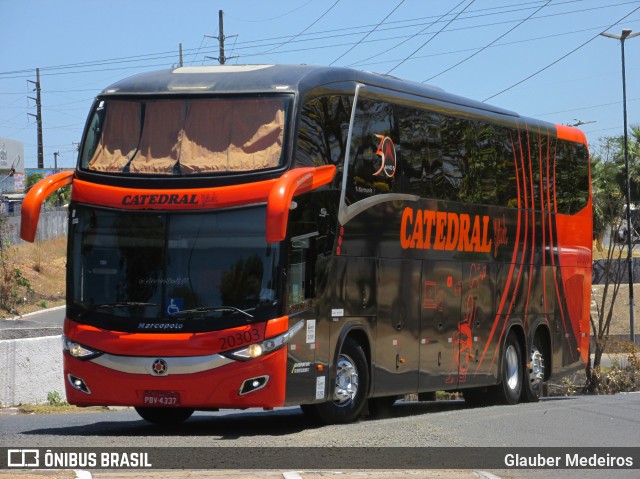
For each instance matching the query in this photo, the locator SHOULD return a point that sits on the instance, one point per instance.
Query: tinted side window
(421, 146)
(571, 177)
(456, 133)
(505, 168)
(374, 132)
(322, 134)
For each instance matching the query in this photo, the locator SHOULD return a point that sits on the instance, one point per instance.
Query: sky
(543, 59)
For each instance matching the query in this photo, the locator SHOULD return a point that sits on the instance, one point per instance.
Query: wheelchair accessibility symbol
(175, 306)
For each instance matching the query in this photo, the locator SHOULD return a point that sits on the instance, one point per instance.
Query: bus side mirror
(296, 181)
(33, 202)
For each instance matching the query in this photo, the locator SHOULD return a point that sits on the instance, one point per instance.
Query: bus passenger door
(397, 327)
(440, 294)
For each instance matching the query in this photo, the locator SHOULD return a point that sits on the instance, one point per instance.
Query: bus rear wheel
(534, 375)
(350, 391)
(164, 416)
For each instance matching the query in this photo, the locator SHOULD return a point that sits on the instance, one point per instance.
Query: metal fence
(618, 271)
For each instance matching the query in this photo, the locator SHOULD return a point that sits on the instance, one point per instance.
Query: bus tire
(509, 389)
(534, 374)
(350, 391)
(164, 416)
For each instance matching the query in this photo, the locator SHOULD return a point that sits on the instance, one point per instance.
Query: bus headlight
(78, 351)
(255, 350)
(268, 345)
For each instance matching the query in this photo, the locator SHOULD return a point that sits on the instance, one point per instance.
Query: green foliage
(31, 180)
(609, 180)
(14, 287)
(58, 198)
(55, 399)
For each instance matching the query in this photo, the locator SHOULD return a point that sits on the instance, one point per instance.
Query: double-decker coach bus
(270, 235)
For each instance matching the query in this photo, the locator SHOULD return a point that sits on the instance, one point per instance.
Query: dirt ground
(44, 266)
(621, 310)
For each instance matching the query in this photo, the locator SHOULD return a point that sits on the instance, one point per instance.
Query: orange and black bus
(270, 235)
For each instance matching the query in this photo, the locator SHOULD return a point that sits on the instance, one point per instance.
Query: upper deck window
(185, 136)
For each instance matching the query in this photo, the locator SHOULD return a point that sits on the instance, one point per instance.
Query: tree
(58, 198)
(31, 180)
(609, 206)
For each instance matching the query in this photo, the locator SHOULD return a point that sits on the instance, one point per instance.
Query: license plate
(161, 398)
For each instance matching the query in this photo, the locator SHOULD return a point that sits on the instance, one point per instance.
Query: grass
(58, 409)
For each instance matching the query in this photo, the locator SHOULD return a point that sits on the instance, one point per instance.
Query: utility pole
(222, 59)
(55, 160)
(38, 117)
(626, 34)
(181, 64)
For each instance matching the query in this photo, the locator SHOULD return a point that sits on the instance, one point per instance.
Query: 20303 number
(239, 339)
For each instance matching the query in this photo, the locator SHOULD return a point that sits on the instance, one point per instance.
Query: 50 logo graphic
(387, 153)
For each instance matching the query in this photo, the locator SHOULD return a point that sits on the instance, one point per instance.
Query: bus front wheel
(164, 416)
(350, 390)
(510, 387)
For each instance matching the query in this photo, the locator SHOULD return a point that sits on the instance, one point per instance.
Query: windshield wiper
(120, 304)
(206, 309)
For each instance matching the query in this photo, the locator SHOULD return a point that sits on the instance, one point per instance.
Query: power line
(515, 42)
(394, 25)
(262, 20)
(487, 45)
(561, 58)
(307, 28)
(350, 31)
(435, 35)
(28, 73)
(261, 44)
(590, 107)
(369, 33)
(429, 25)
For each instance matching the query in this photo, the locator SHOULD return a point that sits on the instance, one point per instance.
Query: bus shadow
(415, 408)
(224, 426)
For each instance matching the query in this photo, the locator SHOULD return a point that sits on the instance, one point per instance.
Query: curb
(27, 315)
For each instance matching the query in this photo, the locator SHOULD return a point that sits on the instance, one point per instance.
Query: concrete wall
(52, 223)
(30, 369)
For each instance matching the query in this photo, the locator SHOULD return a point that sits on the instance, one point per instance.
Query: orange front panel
(171, 199)
(215, 388)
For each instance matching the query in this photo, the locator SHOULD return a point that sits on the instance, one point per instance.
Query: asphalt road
(47, 322)
(609, 421)
(576, 421)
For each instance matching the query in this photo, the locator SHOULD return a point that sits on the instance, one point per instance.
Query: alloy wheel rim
(346, 381)
(536, 367)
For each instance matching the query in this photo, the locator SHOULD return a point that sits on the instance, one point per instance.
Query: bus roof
(275, 78)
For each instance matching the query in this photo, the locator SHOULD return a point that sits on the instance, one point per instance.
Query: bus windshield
(139, 268)
(184, 136)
